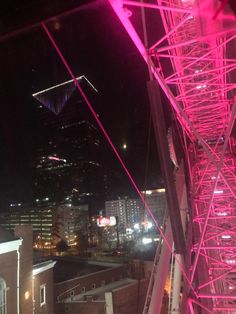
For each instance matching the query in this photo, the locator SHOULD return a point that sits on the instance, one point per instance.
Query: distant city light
(124, 146)
(27, 294)
(37, 200)
(13, 204)
(146, 240)
(161, 190)
(136, 226)
(106, 221)
(149, 225)
(129, 230)
(56, 158)
(150, 192)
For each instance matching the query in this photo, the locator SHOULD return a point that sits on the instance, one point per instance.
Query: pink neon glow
(190, 304)
(197, 47)
(54, 158)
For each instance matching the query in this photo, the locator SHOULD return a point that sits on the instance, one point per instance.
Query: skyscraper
(69, 152)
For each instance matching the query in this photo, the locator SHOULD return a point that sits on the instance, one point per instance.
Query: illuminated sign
(56, 158)
(106, 221)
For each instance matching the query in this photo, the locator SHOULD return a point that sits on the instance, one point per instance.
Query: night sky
(94, 44)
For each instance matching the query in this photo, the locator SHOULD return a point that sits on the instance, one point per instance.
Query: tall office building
(127, 211)
(117, 208)
(131, 211)
(69, 150)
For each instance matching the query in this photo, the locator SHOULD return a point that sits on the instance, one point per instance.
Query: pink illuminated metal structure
(200, 88)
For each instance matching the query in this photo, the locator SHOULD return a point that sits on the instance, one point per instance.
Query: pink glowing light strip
(218, 296)
(202, 306)
(205, 121)
(218, 167)
(117, 6)
(156, 6)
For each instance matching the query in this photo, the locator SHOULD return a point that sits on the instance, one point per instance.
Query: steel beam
(166, 165)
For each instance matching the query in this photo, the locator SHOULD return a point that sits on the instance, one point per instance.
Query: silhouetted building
(70, 152)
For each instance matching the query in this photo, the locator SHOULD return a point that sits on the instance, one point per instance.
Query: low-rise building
(24, 288)
(111, 289)
(51, 224)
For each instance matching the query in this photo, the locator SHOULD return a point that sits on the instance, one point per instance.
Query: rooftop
(40, 267)
(99, 293)
(6, 235)
(69, 268)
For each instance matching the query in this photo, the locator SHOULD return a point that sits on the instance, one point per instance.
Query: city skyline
(121, 101)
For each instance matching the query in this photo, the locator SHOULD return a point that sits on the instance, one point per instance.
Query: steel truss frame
(200, 90)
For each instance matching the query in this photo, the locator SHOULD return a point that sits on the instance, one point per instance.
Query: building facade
(51, 224)
(130, 211)
(117, 208)
(71, 225)
(156, 201)
(70, 151)
(22, 288)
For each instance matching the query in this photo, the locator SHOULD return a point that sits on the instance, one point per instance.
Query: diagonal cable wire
(114, 149)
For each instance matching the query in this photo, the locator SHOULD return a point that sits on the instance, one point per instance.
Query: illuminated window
(42, 295)
(3, 305)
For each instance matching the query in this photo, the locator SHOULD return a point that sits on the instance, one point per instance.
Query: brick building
(118, 289)
(24, 288)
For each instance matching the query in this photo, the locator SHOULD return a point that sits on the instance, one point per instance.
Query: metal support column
(167, 171)
(161, 274)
